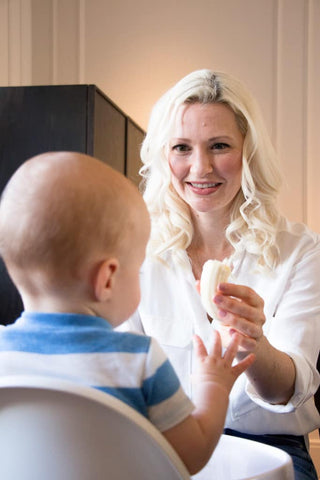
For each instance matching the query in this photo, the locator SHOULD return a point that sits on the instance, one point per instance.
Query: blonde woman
(211, 183)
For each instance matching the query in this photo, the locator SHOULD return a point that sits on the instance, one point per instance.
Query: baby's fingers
(232, 348)
(199, 347)
(244, 364)
(215, 349)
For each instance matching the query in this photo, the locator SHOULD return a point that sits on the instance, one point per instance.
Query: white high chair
(56, 430)
(241, 459)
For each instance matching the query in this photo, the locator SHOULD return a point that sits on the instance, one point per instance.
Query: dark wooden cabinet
(78, 118)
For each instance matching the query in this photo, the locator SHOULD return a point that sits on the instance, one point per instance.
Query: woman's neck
(209, 242)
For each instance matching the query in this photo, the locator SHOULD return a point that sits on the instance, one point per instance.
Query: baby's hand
(217, 368)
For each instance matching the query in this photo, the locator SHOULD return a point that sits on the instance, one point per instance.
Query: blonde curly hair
(254, 215)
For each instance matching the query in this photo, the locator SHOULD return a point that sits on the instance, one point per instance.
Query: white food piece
(213, 273)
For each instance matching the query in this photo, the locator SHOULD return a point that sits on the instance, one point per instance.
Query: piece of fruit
(213, 273)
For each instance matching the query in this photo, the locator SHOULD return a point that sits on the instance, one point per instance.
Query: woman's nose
(202, 162)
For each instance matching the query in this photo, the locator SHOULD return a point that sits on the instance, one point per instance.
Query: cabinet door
(135, 137)
(10, 301)
(109, 132)
(40, 119)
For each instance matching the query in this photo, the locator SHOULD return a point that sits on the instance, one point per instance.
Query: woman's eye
(180, 148)
(220, 146)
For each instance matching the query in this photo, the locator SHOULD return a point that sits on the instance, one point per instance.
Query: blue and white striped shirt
(85, 349)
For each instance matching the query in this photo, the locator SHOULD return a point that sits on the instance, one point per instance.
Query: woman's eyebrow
(179, 139)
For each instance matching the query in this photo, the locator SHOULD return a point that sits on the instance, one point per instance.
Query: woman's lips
(204, 188)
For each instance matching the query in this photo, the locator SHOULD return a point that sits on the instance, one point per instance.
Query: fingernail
(218, 299)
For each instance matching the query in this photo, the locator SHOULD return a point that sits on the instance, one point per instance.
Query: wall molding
(313, 114)
(82, 40)
(291, 110)
(25, 42)
(4, 42)
(15, 42)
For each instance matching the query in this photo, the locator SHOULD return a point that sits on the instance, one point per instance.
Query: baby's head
(73, 233)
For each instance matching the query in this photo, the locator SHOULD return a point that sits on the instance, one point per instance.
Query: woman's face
(205, 157)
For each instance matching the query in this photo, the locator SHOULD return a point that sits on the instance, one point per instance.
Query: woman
(211, 183)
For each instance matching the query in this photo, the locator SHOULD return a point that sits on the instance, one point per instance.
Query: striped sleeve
(166, 401)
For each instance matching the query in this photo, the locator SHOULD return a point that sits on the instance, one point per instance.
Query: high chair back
(55, 430)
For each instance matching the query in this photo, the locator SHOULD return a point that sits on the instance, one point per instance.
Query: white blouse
(171, 311)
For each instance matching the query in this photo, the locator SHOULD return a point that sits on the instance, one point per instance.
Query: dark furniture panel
(109, 133)
(39, 119)
(135, 136)
(79, 118)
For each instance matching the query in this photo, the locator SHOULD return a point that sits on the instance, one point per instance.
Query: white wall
(135, 49)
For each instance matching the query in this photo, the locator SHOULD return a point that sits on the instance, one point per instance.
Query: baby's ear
(104, 279)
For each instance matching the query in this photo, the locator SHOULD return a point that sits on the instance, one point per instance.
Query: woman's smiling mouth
(204, 188)
(203, 185)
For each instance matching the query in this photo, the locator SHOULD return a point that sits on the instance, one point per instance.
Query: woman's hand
(273, 372)
(241, 309)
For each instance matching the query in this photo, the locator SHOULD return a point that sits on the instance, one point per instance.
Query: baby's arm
(196, 437)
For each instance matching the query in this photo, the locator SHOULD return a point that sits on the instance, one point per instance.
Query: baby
(73, 234)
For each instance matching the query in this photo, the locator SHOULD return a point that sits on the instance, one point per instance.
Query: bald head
(61, 209)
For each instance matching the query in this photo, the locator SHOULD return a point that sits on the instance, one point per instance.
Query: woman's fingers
(241, 292)
(241, 308)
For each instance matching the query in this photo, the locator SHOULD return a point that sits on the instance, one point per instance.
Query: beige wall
(135, 50)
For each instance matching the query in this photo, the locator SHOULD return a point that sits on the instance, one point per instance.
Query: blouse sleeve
(295, 328)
